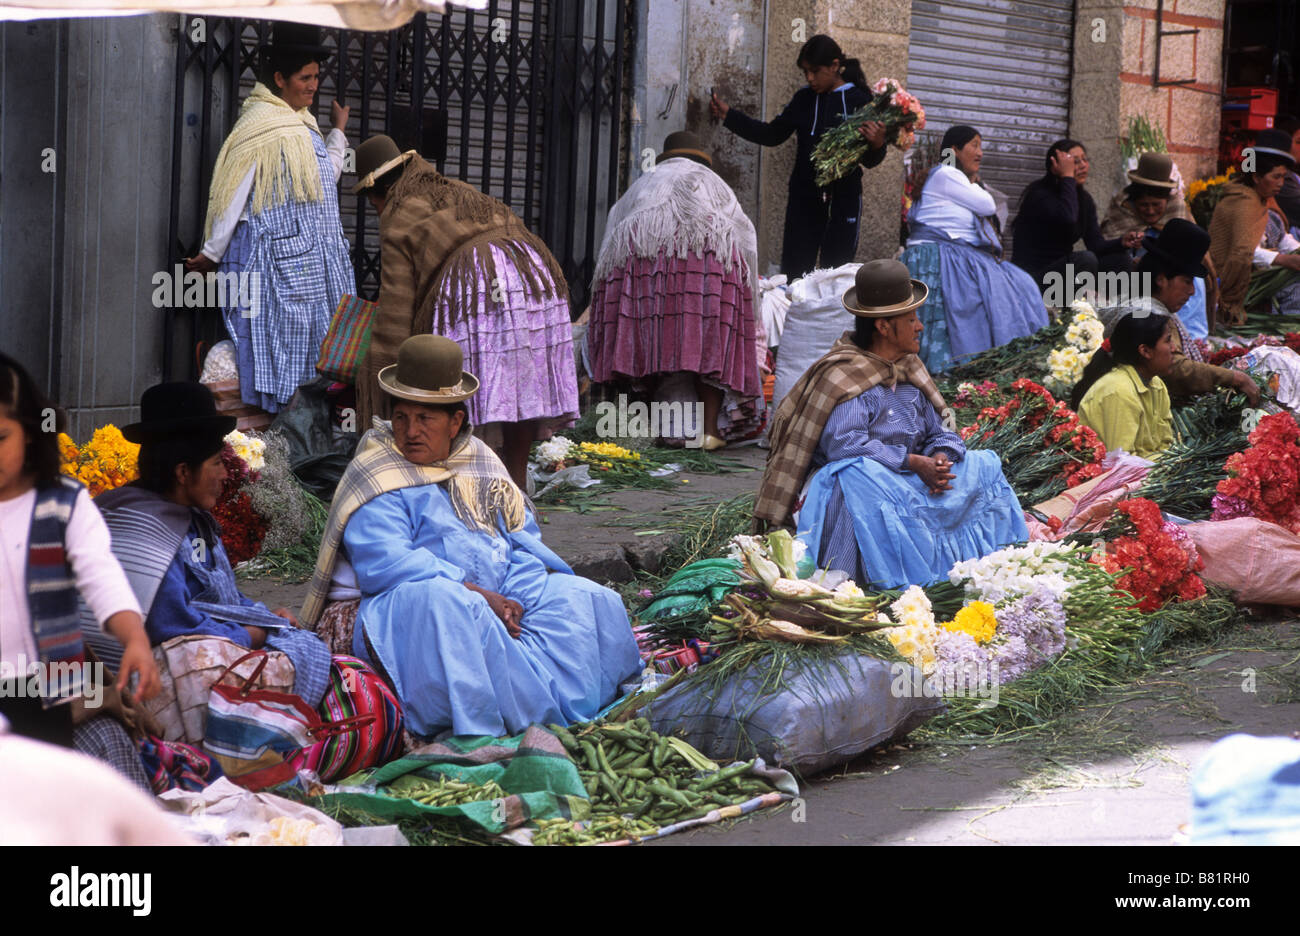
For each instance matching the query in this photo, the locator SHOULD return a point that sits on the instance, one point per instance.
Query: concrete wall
(80, 245)
(876, 33)
(694, 46)
(1112, 83)
(30, 198)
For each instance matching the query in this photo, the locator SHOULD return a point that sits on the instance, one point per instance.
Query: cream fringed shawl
(481, 492)
(681, 206)
(269, 136)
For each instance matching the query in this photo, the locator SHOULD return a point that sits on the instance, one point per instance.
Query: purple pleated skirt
(520, 349)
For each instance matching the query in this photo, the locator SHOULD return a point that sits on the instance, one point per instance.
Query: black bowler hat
(296, 39)
(1275, 143)
(168, 410)
(1182, 244)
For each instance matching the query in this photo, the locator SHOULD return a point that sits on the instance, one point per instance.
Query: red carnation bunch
(242, 527)
(1036, 409)
(1161, 558)
(1264, 480)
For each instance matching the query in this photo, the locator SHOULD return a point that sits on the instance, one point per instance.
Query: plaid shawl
(844, 372)
(481, 492)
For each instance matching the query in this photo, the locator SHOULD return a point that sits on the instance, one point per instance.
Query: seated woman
(170, 545)
(1172, 262)
(894, 498)
(478, 626)
(1145, 206)
(976, 300)
(1055, 211)
(1249, 231)
(1121, 395)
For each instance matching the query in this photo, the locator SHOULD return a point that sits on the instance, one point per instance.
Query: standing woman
(273, 212)
(458, 263)
(821, 224)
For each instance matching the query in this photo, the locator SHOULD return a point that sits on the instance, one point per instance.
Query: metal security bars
(526, 101)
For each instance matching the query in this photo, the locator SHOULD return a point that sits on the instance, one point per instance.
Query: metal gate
(526, 101)
(1002, 66)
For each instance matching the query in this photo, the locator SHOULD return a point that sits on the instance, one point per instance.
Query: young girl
(53, 546)
(1121, 396)
(821, 224)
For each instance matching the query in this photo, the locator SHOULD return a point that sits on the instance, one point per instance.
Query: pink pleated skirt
(666, 315)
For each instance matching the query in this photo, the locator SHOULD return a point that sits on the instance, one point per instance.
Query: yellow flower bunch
(976, 619)
(251, 449)
(106, 462)
(607, 451)
(1200, 185)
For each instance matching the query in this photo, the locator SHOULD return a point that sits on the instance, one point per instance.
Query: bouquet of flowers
(1083, 337)
(1203, 195)
(106, 462)
(982, 645)
(242, 528)
(843, 147)
(1159, 562)
(1264, 480)
(1044, 447)
(558, 452)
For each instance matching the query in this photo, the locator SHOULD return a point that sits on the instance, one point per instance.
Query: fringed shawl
(843, 373)
(473, 222)
(481, 491)
(267, 137)
(681, 206)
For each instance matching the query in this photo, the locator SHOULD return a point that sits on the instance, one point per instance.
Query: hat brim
(464, 389)
(1276, 152)
(141, 432)
(920, 292)
(1195, 270)
(698, 155)
(1153, 183)
(369, 179)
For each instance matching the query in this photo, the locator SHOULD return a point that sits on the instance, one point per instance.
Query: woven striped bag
(359, 697)
(348, 339)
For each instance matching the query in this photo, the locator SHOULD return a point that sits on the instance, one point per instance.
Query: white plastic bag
(225, 814)
(815, 321)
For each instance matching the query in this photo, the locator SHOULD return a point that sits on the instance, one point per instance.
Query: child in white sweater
(53, 545)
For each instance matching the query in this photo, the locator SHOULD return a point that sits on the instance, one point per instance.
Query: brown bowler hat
(375, 157)
(685, 144)
(884, 288)
(1155, 170)
(428, 370)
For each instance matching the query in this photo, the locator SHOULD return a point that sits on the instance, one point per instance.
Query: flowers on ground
(1017, 571)
(242, 528)
(106, 462)
(1043, 446)
(981, 646)
(1161, 558)
(557, 453)
(1082, 339)
(1264, 480)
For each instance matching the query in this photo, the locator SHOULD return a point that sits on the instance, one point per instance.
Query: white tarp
(341, 14)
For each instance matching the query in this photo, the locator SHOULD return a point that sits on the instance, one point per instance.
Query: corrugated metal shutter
(1002, 67)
